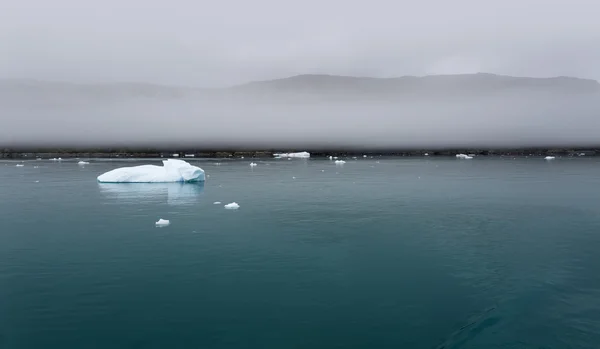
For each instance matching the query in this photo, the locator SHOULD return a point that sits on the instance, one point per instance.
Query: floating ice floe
(292, 155)
(232, 206)
(217, 203)
(340, 162)
(83, 163)
(463, 156)
(426, 154)
(162, 222)
(549, 158)
(330, 157)
(172, 171)
(19, 165)
(364, 156)
(252, 164)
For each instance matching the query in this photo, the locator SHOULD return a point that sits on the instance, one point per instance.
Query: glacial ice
(549, 158)
(464, 156)
(19, 165)
(162, 222)
(232, 206)
(252, 164)
(292, 155)
(340, 162)
(83, 163)
(217, 203)
(172, 171)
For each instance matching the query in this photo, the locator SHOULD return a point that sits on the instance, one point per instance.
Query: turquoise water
(378, 253)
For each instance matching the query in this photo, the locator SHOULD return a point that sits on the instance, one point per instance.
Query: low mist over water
(480, 110)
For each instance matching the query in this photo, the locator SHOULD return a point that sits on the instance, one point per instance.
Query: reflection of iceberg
(174, 193)
(171, 171)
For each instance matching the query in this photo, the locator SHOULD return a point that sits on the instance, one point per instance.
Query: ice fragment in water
(162, 222)
(340, 162)
(252, 164)
(83, 163)
(549, 158)
(232, 206)
(217, 203)
(19, 165)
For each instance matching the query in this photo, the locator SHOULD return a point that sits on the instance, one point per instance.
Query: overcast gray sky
(217, 43)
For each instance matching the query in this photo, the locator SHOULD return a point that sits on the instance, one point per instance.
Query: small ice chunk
(37, 181)
(340, 162)
(241, 157)
(322, 170)
(354, 157)
(217, 203)
(232, 206)
(426, 154)
(252, 164)
(83, 163)
(330, 157)
(293, 177)
(335, 158)
(549, 158)
(463, 156)
(364, 156)
(162, 222)
(19, 165)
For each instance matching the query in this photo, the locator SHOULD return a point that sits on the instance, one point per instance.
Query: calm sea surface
(377, 253)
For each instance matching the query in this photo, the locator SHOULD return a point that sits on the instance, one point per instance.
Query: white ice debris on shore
(232, 206)
(162, 222)
(293, 155)
(171, 171)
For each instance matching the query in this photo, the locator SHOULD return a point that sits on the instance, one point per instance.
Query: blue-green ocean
(377, 253)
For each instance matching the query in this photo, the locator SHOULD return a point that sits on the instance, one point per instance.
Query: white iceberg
(330, 157)
(19, 165)
(292, 155)
(463, 156)
(83, 163)
(340, 162)
(426, 154)
(364, 156)
(549, 158)
(232, 206)
(252, 164)
(171, 171)
(217, 203)
(162, 222)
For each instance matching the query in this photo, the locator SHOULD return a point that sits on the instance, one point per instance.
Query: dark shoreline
(190, 154)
